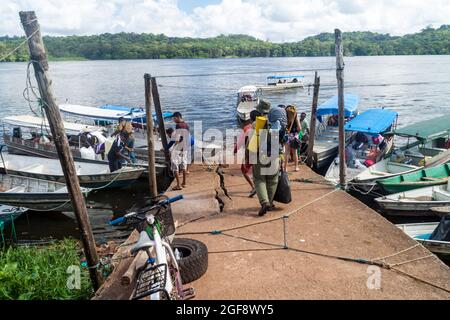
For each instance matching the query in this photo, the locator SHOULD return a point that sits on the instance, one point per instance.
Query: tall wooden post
(312, 123)
(159, 115)
(341, 103)
(40, 64)
(150, 137)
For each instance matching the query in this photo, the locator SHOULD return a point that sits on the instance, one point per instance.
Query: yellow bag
(254, 141)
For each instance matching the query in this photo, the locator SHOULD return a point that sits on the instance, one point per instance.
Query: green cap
(263, 107)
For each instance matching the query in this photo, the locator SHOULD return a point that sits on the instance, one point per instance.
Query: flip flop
(177, 188)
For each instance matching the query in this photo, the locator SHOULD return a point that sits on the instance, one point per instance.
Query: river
(417, 87)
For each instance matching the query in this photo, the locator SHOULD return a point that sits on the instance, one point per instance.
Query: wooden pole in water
(341, 103)
(150, 137)
(40, 64)
(312, 123)
(159, 115)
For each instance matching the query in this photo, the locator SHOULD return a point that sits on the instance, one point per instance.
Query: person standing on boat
(303, 135)
(265, 163)
(129, 147)
(115, 155)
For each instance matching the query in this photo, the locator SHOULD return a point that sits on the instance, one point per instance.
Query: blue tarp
(330, 107)
(284, 77)
(372, 121)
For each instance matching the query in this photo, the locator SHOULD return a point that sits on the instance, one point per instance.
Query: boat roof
(285, 77)
(427, 129)
(372, 121)
(248, 89)
(101, 114)
(31, 122)
(330, 107)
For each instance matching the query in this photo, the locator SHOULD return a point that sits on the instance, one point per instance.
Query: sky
(273, 20)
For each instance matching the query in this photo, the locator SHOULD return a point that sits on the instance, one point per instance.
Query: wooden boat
(326, 141)
(8, 214)
(422, 232)
(417, 202)
(247, 99)
(281, 83)
(90, 175)
(35, 194)
(364, 143)
(427, 150)
(426, 177)
(106, 114)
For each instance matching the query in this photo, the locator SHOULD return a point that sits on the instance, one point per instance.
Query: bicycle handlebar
(130, 215)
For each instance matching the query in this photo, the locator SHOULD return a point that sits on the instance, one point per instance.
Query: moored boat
(417, 202)
(247, 99)
(8, 214)
(326, 141)
(90, 175)
(368, 142)
(434, 236)
(35, 194)
(426, 177)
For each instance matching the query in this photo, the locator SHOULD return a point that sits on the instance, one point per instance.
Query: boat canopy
(284, 77)
(100, 114)
(330, 107)
(372, 121)
(428, 129)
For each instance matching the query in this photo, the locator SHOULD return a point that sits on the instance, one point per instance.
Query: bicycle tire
(194, 261)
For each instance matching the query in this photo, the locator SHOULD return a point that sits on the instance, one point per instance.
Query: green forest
(429, 41)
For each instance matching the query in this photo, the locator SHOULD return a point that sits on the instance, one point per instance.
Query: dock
(324, 245)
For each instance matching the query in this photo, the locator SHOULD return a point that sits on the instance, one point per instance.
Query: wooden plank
(312, 123)
(341, 103)
(150, 138)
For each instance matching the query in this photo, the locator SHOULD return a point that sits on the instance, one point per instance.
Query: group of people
(292, 132)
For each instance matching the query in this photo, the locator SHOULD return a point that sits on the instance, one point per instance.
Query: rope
(397, 253)
(242, 73)
(19, 46)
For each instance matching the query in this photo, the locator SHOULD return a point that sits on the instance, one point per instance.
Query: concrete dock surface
(325, 227)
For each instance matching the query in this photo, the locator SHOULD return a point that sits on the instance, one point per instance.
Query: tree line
(429, 41)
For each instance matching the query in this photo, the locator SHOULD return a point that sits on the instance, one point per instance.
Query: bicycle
(160, 278)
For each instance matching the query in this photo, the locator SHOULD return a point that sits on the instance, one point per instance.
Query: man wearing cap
(265, 167)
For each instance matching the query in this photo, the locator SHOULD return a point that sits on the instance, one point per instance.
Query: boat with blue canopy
(132, 110)
(282, 82)
(367, 143)
(326, 140)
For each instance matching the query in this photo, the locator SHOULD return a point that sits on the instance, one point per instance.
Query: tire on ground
(194, 258)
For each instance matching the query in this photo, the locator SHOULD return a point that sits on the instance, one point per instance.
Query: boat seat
(144, 242)
(440, 195)
(18, 189)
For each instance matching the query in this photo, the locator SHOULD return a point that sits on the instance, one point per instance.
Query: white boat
(427, 151)
(90, 175)
(31, 122)
(103, 114)
(35, 194)
(417, 202)
(8, 214)
(326, 141)
(281, 83)
(366, 130)
(247, 100)
(423, 233)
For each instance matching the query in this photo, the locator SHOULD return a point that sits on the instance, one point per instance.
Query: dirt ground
(323, 221)
(251, 262)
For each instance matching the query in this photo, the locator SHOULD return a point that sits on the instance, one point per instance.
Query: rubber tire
(194, 261)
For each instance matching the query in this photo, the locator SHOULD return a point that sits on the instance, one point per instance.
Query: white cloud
(286, 20)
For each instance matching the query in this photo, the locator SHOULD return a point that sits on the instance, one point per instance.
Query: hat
(263, 106)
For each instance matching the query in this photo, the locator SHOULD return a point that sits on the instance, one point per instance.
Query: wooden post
(312, 123)
(159, 115)
(150, 138)
(341, 103)
(40, 64)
